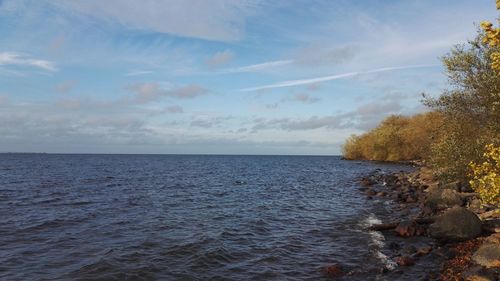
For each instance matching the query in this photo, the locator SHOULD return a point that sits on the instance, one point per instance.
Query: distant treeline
(397, 138)
(461, 122)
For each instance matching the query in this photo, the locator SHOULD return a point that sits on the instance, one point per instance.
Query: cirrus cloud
(24, 60)
(148, 92)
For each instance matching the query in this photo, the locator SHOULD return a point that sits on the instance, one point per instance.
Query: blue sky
(218, 76)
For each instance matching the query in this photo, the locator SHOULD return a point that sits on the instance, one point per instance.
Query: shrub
(486, 176)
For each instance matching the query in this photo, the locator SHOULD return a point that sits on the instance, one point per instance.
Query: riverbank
(446, 220)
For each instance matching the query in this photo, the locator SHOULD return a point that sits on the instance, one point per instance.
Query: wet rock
(456, 224)
(488, 255)
(426, 211)
(443, 198)
(406, 229)
(370, 192)
(382, 193)
(405, 261)
(410, 199)
(422, 251)
(394, 246)
(333, 270)
(368, 181)
(409, 250)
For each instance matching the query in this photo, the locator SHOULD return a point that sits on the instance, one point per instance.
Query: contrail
(258, 67)
(291, 83)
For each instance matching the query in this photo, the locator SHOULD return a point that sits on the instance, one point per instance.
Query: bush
(486, 176)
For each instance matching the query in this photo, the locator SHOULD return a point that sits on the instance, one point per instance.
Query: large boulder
(488, 255)
(443, 198)
(456, 224)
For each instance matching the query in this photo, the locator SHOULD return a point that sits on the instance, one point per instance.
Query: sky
(218, 76)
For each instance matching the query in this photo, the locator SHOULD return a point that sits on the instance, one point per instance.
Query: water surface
(168, 217)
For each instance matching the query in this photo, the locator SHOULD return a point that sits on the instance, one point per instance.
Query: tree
(471, 108)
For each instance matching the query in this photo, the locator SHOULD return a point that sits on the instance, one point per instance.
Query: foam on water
(377, 239)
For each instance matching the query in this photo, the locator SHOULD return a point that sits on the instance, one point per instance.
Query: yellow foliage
(397, 138)
(492, 38)
(486, 176)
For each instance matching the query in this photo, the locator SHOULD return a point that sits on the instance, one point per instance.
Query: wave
(377, 239)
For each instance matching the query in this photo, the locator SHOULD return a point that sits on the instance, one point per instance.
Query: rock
(410, 199)
(405, 261)
(368, 182)
(333, 270)
(446, 252)
(493, 238)
(443, 198)
(456, 224)
(394, 246)
(477, 277)
(466, 188)
(493, 214)
(491, 225)
(382, 193)
(370, 192)
(488, 255)
(426, 174)
(475, 205)
(479, 273)
(409, 250)
(406, 229)
(426, 211)
(456, 185)
(424, 250)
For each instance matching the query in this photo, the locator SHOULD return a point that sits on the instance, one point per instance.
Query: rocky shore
(463, 235)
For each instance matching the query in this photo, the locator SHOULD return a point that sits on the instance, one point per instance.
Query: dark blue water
(164, 217)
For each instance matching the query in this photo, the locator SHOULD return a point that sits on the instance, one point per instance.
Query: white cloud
(138, 72)
(148, 92)
(259, 66)
(291, 83)
(305, 98)
(174, 109)
(66, 86)
(4, 99)
(318, 55)
(18, 59)
(220, 20)
(220, 58)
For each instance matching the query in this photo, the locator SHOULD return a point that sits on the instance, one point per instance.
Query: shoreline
(422, 202)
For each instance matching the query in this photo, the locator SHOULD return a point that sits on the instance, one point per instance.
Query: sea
(190, 217)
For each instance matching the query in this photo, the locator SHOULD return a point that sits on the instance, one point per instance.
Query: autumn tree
(471, 107)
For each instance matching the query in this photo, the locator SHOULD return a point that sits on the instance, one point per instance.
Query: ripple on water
(149, 217)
